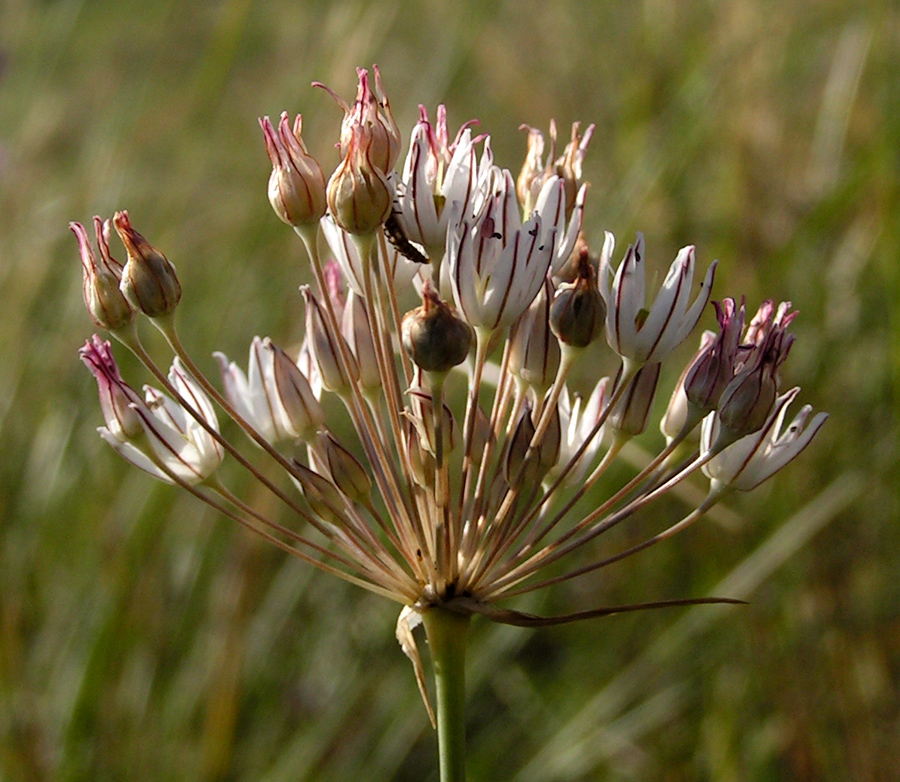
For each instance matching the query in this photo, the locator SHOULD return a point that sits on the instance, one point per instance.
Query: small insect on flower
(393, 230)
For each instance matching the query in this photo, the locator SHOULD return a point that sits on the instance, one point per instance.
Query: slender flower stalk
(447, 326)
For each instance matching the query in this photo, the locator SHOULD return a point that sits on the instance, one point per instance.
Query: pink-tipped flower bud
(372, 112)
(434, 336)
(149, 282)
(297, 184)
(578, 312)
(108, 308)
(748, 399)
(117, 398)
(714, 367)
(359, 195)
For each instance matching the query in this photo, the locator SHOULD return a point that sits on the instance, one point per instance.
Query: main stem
(447, 633)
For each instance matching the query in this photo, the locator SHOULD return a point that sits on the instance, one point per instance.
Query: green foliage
(142, 638)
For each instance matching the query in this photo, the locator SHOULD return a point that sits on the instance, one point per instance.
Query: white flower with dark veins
(639, 335)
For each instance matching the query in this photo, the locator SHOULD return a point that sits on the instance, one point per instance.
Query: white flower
(437, 174)
(577, 421)
(496, 263)
(551, 206)
(639, 335)
(752, 459)
(274, 397)
(179, 443)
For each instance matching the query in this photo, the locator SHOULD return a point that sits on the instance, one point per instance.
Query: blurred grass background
(141, 638)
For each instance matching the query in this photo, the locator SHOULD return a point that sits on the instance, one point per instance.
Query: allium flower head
(461, 465)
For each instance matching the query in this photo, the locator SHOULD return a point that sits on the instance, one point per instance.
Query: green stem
(447, 632)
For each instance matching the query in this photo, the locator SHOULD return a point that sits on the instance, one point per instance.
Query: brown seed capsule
(434, 336)
(525, 465)
(578, 312)
(359, 194)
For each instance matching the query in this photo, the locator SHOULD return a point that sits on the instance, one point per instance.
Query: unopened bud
(630, 415)
(746, 402)
(297, 184)
(321, 494)
(714, 367)
(434, 336)
(578, 312)
(482, 434)
(679, 413)
(423, 419)
(346, 471)
(326, 349)
(302, 412)
(149, 282)
(108, 307)
(525, 465)
(117, 398)
(420, 464)
(359, 195)
(534, 351)
(358, 333)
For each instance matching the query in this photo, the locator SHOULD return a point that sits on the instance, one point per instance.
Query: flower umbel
(468, 464)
